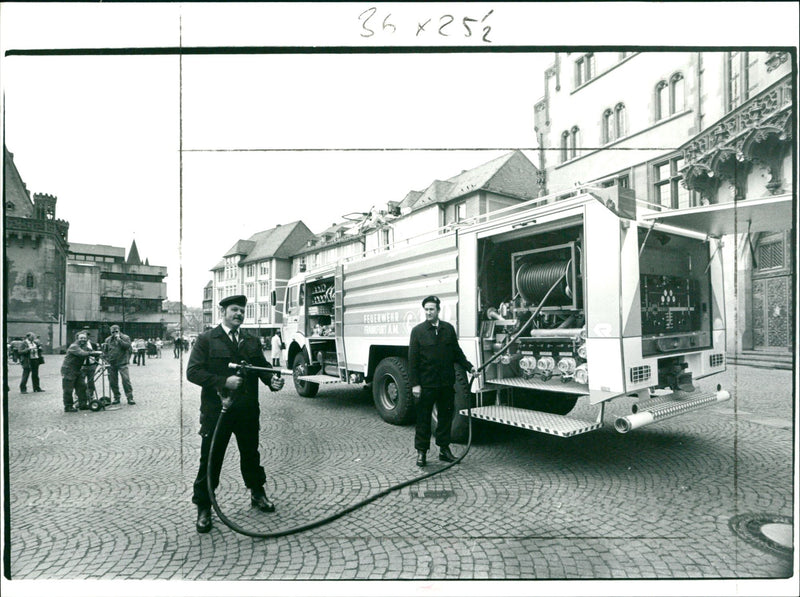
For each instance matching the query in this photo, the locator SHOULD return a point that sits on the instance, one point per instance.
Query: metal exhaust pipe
(667, 410)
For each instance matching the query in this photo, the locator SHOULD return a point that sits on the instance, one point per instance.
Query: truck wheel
(306, 389)
(545, 402)
(391, 391)
(459, 430)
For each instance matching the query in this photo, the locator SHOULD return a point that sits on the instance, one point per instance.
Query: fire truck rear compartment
(544, 370)
(537, 372)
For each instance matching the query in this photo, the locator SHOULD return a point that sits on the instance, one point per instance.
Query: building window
(738, 74)
(263, 268)
(564, 146)
(461, 211)
(250, 311)
(251, 271)
(573, 142)
(30, 281)
(608, 126)
(623, 181)
(676, 93)
(249, 289)
(386, 237)
(263, 310)
(662, 100)
(263, 288)
(620, 120)
(584, 69)
(668, 189)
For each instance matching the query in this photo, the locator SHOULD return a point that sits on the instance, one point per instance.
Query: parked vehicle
(556, 300)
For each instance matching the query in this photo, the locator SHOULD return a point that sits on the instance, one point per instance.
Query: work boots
(203, 524)
(421, 458)
(259, 500)
(445, 455)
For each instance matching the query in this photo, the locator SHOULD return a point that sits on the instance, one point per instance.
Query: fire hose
(243, 368)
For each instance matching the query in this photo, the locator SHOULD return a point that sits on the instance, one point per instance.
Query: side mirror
(273, 298)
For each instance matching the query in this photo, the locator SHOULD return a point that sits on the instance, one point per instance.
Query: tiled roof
(240, 247)
(104, 250)
(511, 174)
(281, 242)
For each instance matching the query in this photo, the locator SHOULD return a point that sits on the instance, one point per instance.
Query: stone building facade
(105, 288)
(686, 131)
(35, 262)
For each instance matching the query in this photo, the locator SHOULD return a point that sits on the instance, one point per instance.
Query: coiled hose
(330, 518)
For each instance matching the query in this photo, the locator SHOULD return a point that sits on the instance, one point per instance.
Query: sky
(186, 156)
(104, 134)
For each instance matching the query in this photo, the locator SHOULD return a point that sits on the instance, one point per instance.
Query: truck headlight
(582, 374)
(582, 351)
(567, 366)
(546, 364)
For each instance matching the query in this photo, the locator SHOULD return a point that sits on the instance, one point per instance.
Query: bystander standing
(117, 349)
(30, 357)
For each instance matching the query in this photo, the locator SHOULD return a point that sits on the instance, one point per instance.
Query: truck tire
(306, 389)
(462, 397)
(391, 391)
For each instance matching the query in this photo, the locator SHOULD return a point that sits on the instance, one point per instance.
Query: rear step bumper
(533, 420)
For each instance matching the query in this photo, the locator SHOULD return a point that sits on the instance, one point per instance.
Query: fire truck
(554, 301)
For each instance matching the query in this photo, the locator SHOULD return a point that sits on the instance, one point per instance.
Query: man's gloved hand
(276, 383)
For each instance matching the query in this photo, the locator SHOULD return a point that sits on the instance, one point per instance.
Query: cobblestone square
(106, 495)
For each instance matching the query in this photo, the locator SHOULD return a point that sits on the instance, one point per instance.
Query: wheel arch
(379, 352)
(294, 349)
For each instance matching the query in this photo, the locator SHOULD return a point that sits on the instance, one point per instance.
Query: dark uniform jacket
(73, 360)
(208, 368)
(431, 355)
(117, 350)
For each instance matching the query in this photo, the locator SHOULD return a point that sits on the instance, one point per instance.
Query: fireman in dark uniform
(208, 367)
(432, 353)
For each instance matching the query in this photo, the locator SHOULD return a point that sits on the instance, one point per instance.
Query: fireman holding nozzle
(432, 353)
(209, 368)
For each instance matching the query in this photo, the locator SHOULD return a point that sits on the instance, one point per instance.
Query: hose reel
(534, 279)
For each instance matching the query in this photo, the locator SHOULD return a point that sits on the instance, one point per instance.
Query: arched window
(662, 100)
(608, 126)
(564, 146)
(573, 142)
(30, 281)
(621, 120)
(676, 97)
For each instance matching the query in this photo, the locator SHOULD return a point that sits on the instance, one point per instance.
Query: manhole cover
(768, 532)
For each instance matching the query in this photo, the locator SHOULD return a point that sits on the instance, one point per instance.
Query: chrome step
(552, 385)
(319, 379)
(534, 420)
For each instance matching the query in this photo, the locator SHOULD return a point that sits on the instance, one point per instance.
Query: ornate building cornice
(738, 135)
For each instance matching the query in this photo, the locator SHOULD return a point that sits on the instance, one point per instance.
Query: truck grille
(639, 374)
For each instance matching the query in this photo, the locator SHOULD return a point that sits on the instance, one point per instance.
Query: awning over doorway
(750, 215)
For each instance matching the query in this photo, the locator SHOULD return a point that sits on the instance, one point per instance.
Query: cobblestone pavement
(107, 495)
